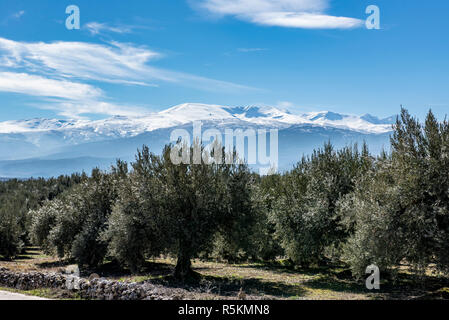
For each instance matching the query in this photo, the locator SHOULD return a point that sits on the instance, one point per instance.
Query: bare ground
(257, 280)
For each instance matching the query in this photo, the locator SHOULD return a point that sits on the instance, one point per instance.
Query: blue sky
(131, 57)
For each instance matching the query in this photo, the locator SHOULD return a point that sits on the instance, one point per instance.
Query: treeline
(17, 198)
(344, 206)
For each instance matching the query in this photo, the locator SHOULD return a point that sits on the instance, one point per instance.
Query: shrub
(70, 226)
(372, 217)
(401, 211)
(135, 231)
(10, 232)
(306, 220)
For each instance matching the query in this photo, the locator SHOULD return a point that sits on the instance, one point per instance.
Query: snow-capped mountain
(41, 142)
(120, 126)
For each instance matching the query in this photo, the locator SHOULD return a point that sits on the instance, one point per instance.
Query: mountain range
(50, 147)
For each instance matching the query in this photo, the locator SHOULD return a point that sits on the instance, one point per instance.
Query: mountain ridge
(50, 147)
(188, 112)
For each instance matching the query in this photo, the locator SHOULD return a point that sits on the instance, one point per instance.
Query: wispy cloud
(306, 14)
(39, 86)
(19, 14)
(114, 62)
(299, 108)
(60, 70)
(117, 62)
(76, 109)
(69, 99)
(12, 17)
(251, 49)
(96, 28)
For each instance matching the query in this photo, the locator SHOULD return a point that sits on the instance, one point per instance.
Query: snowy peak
(189, 112)
(257, 112)
(326, 115)
(36, 124)
(375, 120)
(351, 122)
(120, 126)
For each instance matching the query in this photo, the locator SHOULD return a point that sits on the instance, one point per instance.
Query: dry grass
(259, 281)
(53, 294)
(33, 259)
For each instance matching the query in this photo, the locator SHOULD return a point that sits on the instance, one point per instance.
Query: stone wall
(96, 289)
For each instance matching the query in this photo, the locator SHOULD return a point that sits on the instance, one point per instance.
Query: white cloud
(251, 49)
(305, 20)
(97, 28)
(39, 86)
(307, 14)
(57, 70)
(114, 62)
(12, 17)
(19, 14)
(238, 7)
(69, 99)
(75, 109)
(285, 104)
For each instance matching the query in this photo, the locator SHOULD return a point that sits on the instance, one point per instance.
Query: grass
(45, 293)
(258, 280)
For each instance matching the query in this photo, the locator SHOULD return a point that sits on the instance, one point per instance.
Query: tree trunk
(183, 269)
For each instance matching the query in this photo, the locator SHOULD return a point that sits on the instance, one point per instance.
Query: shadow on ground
(332, 278)
(281, 280)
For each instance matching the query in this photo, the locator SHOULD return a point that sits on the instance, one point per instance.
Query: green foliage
(371, 216)
(17, 197)
(265, 243)
(400, 212)
(70, 225)
(305, 211)
(10, 232)
(245, 236)
(95, 206)
(175, 208)
(43, 221)
(201, 200)
(135, 228)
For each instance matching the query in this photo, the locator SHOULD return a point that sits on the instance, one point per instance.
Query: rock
(93, 276)
(241, 295)
(95, 288)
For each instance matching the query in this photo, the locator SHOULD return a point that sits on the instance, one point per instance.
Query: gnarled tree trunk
(183, 269)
